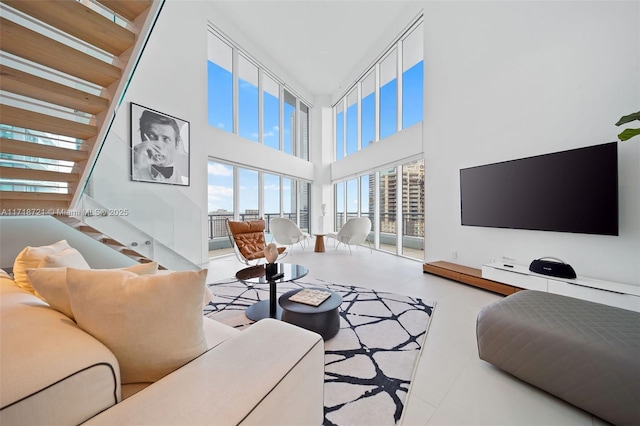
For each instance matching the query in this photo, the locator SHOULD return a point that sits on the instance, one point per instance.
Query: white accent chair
(285, 231)
(354, 232)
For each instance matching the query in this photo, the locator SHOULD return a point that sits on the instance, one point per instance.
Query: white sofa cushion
(152, 323)
(269, 374)
(30, 257)
(51, 284)
(52, 372)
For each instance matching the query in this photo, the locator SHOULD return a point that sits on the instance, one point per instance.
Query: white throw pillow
(30, 257)
(68, 257)
(51, 284)
(152, 323)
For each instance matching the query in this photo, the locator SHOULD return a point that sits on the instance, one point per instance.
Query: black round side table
(323, 319)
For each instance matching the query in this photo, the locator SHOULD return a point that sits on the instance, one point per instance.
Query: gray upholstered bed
(586, 353)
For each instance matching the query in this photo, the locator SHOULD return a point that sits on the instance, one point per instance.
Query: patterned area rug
(369, 364)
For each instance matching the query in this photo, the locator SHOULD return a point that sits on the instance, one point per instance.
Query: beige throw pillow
(152, 323)
(51, 284)
(30, 257)
(68, 257)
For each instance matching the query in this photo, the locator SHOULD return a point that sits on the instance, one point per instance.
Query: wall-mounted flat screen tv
(569, 191)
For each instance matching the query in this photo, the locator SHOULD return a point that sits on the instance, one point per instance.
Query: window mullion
(359, 117)
(260, 106)
(377, 104)
(281, 120)
(399, 86)
(235, 85)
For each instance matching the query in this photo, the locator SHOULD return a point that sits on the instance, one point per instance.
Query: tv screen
(569, 191)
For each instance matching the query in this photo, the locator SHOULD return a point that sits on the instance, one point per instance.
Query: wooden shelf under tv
(467, 275)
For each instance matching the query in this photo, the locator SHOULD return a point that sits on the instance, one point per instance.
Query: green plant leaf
(628, 118)
(628, 134)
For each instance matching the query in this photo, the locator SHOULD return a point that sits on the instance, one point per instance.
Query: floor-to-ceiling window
(341, 214)
(368, 107)
(271, 108)
(220, 84)
(387, 205)
(387, 99)
(246, 99)
(413, 209)
(352, 199)
(394, 202)
(271, 188)
(388, 86)
(367, 200)
(304, 198)
(412, 78)
(352, 122)
(220, 199)
(248, 193)
(240, 193)
(339, 134)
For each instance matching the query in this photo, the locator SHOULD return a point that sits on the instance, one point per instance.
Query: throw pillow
(30, 257)
(152, 323)
(51, 284)
(68, 257)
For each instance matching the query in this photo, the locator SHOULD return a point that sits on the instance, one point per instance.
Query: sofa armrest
(270, 373)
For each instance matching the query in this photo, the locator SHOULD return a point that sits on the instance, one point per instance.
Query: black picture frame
(160, 147)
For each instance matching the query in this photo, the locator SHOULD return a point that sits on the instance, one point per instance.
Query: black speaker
(552, 266)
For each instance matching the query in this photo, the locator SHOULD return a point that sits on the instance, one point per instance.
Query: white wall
(503, 80)
(506, 80)
(172, 78)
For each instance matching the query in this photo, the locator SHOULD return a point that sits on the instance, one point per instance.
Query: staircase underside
(63, 62)
(104, 239)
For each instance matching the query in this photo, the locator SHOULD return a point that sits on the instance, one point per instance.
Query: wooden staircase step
(128, 9)
(32, 149)
(13, 116)
(74, 18)
(30, 45)
(31, 86)
(40, 203)
(130, 252)
(111, 242)
(88, 229)
(37, 175)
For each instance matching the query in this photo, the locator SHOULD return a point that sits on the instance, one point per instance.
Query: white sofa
(54, 373)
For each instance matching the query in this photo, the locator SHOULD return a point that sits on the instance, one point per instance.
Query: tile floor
(452, 386)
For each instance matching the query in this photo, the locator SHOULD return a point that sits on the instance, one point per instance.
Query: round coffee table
(323, 319)
(257, 275)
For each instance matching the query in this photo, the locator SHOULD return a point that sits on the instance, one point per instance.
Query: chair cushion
(152, 323)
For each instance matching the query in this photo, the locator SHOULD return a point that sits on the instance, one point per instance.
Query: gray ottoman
(585, 353)
(323, 319)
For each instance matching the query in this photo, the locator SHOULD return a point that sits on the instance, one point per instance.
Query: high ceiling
(320, 43)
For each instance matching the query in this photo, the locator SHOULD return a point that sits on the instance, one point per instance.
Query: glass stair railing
(155, 220)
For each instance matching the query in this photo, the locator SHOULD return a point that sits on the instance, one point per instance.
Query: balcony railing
(412, 223)
(218, 229)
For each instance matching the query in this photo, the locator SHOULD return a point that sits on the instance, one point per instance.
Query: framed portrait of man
(159, 147)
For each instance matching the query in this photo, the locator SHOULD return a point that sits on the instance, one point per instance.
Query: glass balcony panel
(388, 209)
(413, 209)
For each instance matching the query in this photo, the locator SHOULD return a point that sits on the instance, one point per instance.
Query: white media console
(624, 296)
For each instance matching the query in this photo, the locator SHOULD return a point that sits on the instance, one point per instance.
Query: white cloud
(217, 169)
